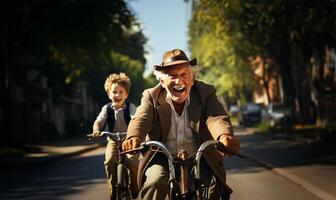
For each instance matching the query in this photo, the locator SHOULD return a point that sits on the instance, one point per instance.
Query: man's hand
(131, 143)
(96, 134)
(231, 142)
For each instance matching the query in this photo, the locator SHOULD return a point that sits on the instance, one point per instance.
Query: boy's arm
(98, 126)
(100, 121)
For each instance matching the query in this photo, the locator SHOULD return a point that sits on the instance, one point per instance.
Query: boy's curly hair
(121, 79)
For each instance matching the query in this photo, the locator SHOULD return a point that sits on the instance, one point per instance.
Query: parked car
(276, 115)
(234, 110)
(250, 114)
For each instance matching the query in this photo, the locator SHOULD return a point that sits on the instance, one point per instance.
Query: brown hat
(174, 57)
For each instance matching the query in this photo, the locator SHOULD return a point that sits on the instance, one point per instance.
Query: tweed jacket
(207, 117)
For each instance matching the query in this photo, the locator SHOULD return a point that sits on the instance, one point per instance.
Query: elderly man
(181, 112)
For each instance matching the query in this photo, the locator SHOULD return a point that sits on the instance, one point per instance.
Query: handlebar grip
(136, 150)
(89, 136)
(222, 148)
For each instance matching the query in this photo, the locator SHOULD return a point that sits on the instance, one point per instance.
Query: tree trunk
(301, 84)
(324, 112)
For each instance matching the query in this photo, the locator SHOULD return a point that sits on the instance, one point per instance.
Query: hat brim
(191, 62)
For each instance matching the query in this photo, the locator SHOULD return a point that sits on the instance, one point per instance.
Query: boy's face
(118, 95)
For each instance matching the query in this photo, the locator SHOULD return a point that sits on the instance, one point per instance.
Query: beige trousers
(156, 185)
(111, 163)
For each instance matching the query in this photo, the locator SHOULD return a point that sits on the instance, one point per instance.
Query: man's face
(178, 82)
(118, 95)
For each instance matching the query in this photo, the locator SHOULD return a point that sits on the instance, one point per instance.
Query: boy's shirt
(119, 124)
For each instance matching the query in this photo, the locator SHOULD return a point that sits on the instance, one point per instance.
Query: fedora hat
(174, 57)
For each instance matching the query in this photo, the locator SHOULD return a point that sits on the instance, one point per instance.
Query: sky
(165, 24)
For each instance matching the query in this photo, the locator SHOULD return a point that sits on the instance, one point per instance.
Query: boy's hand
(231, 142)
(96, 134)
(131, 143)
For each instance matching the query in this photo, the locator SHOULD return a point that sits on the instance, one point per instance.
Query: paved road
(308, 162)
(250, 180)
(82, 176)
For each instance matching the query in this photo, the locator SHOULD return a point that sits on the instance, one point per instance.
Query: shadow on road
(53, 180)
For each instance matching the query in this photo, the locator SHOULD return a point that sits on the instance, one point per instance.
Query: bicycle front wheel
(123, 188)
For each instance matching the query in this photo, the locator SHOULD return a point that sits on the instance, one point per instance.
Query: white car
(276, 114)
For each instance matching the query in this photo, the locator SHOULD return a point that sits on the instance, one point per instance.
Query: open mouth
(179, 89)
(117, 100)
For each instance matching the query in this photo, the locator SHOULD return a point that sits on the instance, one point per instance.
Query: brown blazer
(208, 120)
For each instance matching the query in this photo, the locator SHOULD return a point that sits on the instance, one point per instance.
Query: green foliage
(225, 35)
(82, 40)
(126, 64)
(271, 25)
(90, 33)
(220, 51)
(151, 80)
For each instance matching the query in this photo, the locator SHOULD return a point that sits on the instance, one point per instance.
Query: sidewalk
(307, 161)
(49, 151)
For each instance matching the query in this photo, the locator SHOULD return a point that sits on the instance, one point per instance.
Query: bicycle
(178, 186)
(122, 188)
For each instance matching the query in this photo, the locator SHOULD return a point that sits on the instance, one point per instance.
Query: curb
(292, 177)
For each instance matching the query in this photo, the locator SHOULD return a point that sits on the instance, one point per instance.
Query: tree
(212, 42)
(82, 36)
(286, 32)
(77, 42)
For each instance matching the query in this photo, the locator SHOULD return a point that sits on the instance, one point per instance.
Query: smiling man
(181, 112)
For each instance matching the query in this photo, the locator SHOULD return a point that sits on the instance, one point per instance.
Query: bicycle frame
(183, 194)
(165, 151)
(122, 187)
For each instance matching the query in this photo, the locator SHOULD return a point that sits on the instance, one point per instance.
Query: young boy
(114, 117)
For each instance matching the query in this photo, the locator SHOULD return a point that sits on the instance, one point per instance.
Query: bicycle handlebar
(145, 145)
(165, 150)
(114, 136)
(218, 145)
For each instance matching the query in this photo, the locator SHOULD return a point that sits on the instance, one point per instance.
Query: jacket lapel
(164, 111)
(194, 113)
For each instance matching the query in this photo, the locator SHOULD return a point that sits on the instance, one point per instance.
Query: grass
(306, 131)
(234, 120)
(262, 127)
(315, 131)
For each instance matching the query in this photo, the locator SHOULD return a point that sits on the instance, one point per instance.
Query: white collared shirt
(180, 136)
